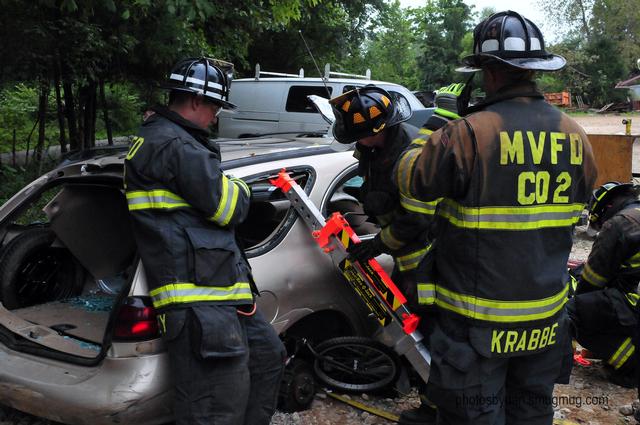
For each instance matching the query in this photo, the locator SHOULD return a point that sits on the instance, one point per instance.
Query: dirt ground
(588, 399)
(608, 124)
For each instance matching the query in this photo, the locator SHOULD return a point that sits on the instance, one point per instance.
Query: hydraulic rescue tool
(369, 281)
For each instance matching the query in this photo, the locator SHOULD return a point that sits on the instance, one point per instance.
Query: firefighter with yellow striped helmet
(374, 119)
(365, 112)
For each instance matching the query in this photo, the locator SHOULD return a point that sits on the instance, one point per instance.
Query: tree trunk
(61, 127)
(26, 154)
(585, 27)
(82, 104)
(70, 112)
(42, 117)
(94, 111)
(13, 149)
(88, 100)
(105, 113)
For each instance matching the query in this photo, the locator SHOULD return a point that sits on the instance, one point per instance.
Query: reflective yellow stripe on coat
(228, 201)
(491, 310)
(421, 207)
(510, 218)
(412, 260)
(183, 293)
(154, 199)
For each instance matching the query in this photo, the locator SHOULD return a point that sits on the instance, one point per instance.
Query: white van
(279, 104)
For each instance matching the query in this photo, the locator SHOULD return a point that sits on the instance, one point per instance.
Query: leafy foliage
(443, 24)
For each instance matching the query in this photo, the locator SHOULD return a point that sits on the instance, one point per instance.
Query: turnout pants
(605, 324)
(226, 367)
(501, 383)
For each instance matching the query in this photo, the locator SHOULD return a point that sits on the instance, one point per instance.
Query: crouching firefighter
(225, 360)
(604, 310)
(514, 175)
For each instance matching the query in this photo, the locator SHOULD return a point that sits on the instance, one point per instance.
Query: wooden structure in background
(559, 99)
(614, 156)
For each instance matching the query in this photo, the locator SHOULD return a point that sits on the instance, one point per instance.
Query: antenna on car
(315, 63)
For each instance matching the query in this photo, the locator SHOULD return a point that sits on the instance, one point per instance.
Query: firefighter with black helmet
(225, 360)
(374, 120)
(604, 308)
(515, 174)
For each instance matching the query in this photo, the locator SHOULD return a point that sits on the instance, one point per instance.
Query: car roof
(235, 152)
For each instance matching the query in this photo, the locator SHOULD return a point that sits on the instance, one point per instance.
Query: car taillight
(136, 320)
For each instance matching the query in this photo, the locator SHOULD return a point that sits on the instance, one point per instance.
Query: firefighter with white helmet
(514, 175)
(225, 359)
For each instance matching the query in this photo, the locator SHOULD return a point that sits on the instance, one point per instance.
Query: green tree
(392, 50)
(443, 25)
(335, 32)
(619, 22)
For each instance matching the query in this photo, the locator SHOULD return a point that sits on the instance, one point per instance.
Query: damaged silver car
(79, 341)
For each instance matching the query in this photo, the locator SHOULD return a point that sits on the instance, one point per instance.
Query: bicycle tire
(356, 364)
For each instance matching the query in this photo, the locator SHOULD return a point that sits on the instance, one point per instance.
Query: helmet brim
(473, 63)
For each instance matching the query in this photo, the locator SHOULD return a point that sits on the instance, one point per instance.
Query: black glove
(365, 250)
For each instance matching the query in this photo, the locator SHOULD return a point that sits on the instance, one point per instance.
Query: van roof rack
(327, 73)
(277, 74)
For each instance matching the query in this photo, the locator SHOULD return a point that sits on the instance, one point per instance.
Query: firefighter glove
(446, 101)
(366, 250)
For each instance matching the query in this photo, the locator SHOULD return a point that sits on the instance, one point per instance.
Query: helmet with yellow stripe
(603, 199)
(364, 112)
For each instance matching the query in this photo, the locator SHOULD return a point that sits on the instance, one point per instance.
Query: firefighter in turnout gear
(371, 117)
(226, 361)
(604, 309)
(514, 174)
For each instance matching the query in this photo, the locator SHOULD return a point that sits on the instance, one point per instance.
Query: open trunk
(66, 260)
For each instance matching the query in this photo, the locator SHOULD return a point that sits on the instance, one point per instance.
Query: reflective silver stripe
(210, 84)
(412, 204)
(228, 202)
(498, 310)
(154, 199)
(511, 217)
(412, 260)
(426, 293)
(242, 184)
(181, 293)
(622, 354)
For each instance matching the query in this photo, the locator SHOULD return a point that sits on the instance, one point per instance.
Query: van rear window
(297, 99)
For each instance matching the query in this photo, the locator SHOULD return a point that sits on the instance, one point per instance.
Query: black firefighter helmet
(510, 39)
(364, 112)
(602, 199)
(210, 78)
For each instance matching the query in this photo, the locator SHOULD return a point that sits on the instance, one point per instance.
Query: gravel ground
(588, 399)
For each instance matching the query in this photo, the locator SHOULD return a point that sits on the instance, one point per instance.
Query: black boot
(423, 415)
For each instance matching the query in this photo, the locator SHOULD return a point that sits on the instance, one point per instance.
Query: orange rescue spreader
(369, 281)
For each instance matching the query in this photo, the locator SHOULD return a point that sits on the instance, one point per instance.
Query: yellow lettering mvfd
(513, 341)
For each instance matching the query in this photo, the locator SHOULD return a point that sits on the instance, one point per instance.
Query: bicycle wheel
(356, 364)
